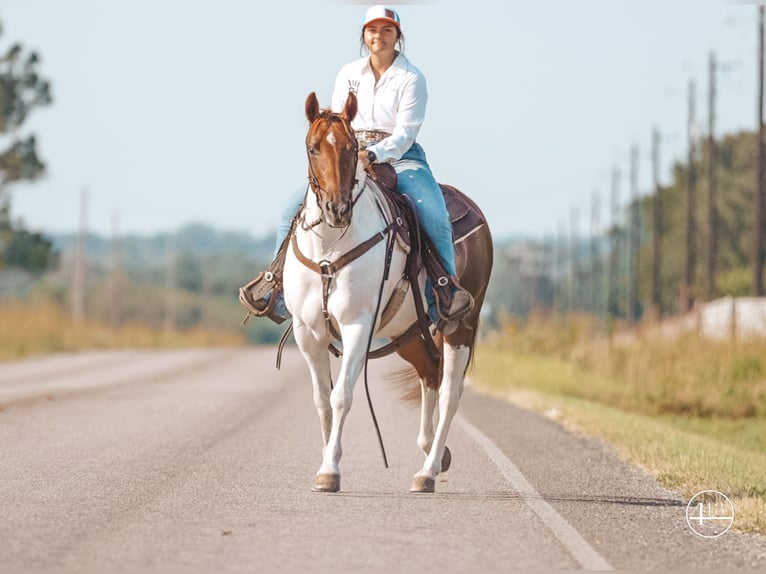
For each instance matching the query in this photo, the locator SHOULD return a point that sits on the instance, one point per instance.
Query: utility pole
(114, 272)
(574, 250)
(554, 272)
(758, 207)
(614, 247)
(656, 226)
(565, 303)
(691, 226)
(633, 237)
(547, 298)
(712, 214)
(170, 284)
(595, 256)
(79, 279)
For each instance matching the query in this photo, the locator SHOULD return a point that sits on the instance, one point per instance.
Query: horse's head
(332, 151)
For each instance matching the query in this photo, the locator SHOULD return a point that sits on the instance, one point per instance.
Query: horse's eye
(312, 150)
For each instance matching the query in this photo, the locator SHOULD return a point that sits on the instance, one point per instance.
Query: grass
(43, 327)
(692, 412)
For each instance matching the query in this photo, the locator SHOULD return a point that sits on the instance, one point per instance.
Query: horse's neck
(325, 242)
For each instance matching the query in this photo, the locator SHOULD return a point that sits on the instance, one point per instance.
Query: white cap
(380, 12)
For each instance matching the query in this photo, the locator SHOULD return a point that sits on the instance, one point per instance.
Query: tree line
(619, 273)
(22, 90)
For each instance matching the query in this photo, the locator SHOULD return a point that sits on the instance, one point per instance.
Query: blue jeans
(414, 179)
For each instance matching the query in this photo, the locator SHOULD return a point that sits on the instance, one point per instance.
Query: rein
(308, 226)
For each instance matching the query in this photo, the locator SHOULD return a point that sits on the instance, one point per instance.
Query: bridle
(328, 269)
(314, 184)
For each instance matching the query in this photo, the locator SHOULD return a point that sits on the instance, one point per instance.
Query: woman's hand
(364, 160)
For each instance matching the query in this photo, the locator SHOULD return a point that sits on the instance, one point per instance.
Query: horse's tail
(407, 380)
(471, 347)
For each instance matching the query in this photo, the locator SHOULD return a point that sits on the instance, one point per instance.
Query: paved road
(204, 459)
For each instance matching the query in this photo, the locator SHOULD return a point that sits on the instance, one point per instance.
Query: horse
(340, 217)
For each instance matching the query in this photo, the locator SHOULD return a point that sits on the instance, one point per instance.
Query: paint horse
(334, 287)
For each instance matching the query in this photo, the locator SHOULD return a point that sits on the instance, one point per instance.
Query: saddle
(401, 215)
(465, 217)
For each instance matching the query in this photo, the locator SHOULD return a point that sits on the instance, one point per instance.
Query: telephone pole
(114, 274)
(656, 226)
(691, 225)
(79, 279)
(614, 246)
(595, 255)
(758, 207)
(712, 214)
(574, 247)
(633, 237)
(559, 272)
(171, 297)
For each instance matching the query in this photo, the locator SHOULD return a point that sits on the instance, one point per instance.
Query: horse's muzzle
(338, 214)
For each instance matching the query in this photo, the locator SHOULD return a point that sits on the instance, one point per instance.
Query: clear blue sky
(179, 111)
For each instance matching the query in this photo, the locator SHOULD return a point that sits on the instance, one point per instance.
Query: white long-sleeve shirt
(396, 104)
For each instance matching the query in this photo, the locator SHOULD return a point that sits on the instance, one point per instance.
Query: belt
(371, 136)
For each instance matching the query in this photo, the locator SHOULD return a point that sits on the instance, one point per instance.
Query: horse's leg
(317, 358)
(417, 355)
(355, 338)
(455, 362)
(428, 398)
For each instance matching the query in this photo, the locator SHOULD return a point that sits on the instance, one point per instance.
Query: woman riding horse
(391, 95)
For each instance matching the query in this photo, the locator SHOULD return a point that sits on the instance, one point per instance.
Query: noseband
(314, 181)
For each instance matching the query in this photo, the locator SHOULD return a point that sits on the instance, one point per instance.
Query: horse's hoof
(446, 459)
(326, 483)
(423, 484)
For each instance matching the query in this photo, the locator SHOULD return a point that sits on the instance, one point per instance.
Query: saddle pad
(464, 214)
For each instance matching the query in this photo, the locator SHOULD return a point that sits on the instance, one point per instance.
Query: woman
(392, 97)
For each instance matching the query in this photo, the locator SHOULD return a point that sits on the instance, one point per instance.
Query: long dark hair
(399, 40)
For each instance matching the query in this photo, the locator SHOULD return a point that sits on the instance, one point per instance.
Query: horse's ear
(312, 107)
(351, 107)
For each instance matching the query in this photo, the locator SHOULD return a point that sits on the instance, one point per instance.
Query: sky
(170, 112)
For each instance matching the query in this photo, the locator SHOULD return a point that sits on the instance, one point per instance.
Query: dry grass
(43, 327)
(689, 376)
(692, 412)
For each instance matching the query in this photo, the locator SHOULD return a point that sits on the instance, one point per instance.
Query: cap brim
(382, 19)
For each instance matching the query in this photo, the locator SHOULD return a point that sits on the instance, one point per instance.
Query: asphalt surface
(204, 460)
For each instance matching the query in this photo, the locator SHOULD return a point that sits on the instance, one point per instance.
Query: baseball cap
(380, 12)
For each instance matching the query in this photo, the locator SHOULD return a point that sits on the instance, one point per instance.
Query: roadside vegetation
(692, 412)
(37, 328)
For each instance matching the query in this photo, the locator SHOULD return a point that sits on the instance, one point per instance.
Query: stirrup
(253, 297)
(460, 305)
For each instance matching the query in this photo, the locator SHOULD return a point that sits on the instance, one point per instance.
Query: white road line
(561, 529)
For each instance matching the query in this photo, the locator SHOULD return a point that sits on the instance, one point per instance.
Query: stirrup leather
(252, 296)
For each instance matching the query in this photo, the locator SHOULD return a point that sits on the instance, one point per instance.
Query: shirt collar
(398, 62)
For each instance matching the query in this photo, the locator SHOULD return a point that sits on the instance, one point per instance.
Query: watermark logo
(710, 514)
